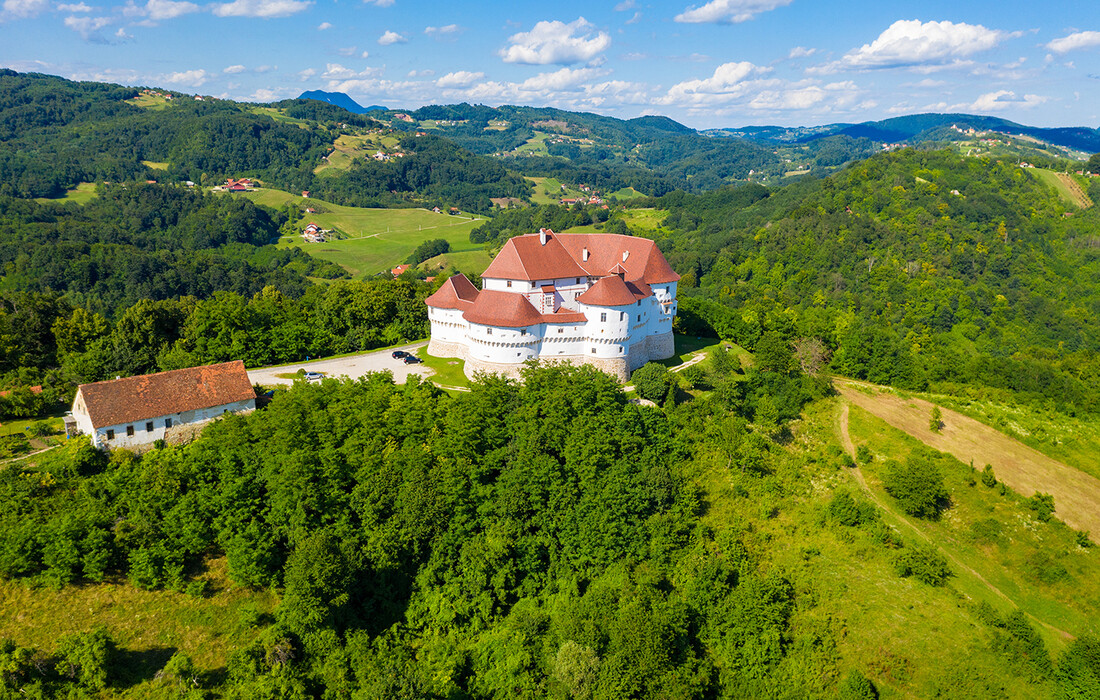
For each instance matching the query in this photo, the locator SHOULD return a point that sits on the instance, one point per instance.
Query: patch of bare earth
(1025, 470)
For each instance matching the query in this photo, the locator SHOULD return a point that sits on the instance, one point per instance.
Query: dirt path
(1076, 494)
(846, 442)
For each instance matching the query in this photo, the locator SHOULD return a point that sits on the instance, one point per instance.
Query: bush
(847, 510)
(924, 563)
(652, 382)
(86, 657)
(1043, 505)
(857, 687)
(864, 454)
(917, 485)
(987, 476)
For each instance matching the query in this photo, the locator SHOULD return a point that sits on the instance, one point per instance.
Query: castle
(600, 299)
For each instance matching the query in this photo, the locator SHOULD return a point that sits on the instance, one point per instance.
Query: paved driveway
(353, 366)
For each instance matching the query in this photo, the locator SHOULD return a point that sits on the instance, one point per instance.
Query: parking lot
(353, 366)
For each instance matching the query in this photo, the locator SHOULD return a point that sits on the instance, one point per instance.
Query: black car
(412, 359)
(398, 354)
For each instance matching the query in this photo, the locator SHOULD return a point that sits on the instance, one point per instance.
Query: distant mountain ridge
(339, 99)
(916, 127)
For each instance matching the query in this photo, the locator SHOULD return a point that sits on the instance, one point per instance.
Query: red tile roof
(613, 291)
(526, 258)
(503, 309)
(399, 270)
(134, 399)
(456, 292)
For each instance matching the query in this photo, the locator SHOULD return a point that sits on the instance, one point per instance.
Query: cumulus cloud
(912, 43)
(459, 79)
(391, 37)
(1003, 99)
(556, 42)
(379, 3)
(335, 71)
(801, 52)
(158, 10)
(440, 31)
(234, 69)
(187, 78)
(88, 27)
(798, 97)
(265, 9)
(25, 8)
(347, 51)
(729, 11)
(323, 26)
(427, 72)
(563, 79)
(729, 80)
(1077, 40)
(625, 5)
(79, 7)
(306, 74)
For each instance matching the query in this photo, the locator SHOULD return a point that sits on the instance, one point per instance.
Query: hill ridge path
(1023, 469)
(849, 448)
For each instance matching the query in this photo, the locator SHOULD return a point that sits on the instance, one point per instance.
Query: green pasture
(1070, 195)
(81, 194)
(149, 102)
(375, 240)
(155, 165)
(645, 220)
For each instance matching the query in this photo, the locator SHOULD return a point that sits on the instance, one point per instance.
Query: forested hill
(916, 268)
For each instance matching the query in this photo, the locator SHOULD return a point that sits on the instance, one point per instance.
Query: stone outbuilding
(136, 411)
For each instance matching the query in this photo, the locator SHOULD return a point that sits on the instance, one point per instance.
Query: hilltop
(340, 100)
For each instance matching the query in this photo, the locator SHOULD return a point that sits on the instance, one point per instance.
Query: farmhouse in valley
(600, 299)
(136, 411)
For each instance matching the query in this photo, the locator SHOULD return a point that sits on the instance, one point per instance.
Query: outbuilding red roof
(134, 399)
(503, 309)
(456, 292)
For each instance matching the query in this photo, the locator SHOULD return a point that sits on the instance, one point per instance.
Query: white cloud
(801, 52)
(265, 69)
(729, 11)
(912, 43)
(799, 97)
(79, 7)
(25, 8)
(446, 29)
(234, 69)
(265, 9)
(365, 54)
(335, 71)
(635, 19)
(729, 80)
(121, 35)
(459, 79)
(625, 5)
(323, 26)
(306, 74)
(268, 95)
(347, 51)
(427, 72)
(563, 79)
(556, 42)
(88, 27)
(1003, 99)
(187, 78)
(391, 37)
(379, 3)
(1077, 40)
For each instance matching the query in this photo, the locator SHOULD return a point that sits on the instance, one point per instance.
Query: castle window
(578, 280)
(603, 318)
(167, 422)
(593, 351)
(111, 433)
(149, 426)
(509, 283)
(488, 331)
(129, 431)
(561, 330)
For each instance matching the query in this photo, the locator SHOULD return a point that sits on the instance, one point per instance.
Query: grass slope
(81, 194)
(378, 239)
(1067, 187)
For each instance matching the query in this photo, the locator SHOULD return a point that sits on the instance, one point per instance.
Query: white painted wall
(143, 436)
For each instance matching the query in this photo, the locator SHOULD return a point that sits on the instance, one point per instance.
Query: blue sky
(705, 64)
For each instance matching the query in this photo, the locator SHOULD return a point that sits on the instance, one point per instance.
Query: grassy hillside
(374, 240)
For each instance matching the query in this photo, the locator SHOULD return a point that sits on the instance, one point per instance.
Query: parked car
(412, 359)
(314, 376)
(398, 354)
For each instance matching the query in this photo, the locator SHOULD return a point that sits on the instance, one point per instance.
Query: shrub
(864, 454)
(924, 563)
(987, 476)
(917, 485)
(935, 421)
(86, 657)
(651, 381)
(1043, 505)
(857, 687)
(847, 510)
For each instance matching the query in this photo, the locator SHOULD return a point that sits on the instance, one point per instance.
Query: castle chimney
(584, 255)
(542, 236)
(626, 254)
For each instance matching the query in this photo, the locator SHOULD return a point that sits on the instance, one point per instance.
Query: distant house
(437, 210)
(399, 270)
(136, 411)
(452, 211)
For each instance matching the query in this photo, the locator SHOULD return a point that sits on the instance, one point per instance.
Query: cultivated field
(1065, 185)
